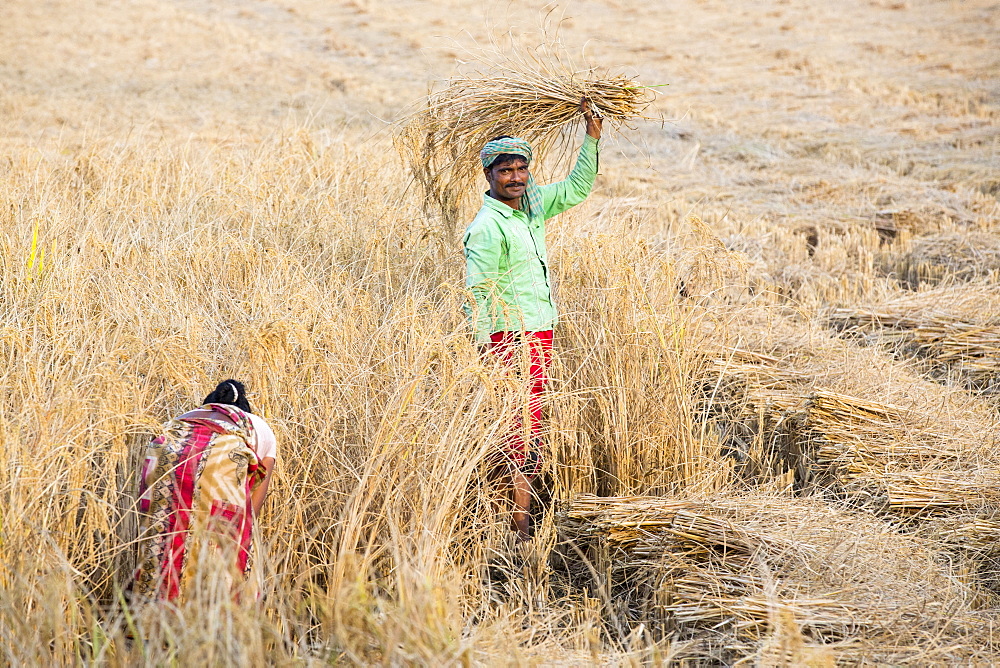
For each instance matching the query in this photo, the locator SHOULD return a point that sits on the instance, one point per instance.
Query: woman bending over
(201, 486)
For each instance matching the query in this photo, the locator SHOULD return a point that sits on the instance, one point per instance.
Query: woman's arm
(260, 491)
(266, 447)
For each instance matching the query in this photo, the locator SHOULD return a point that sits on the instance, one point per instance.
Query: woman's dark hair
(230, 392)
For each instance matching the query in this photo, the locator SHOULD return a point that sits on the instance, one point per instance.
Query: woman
(202, 484)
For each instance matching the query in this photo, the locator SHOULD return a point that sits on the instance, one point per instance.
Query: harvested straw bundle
(722, 569)
(903, 461)
(913, 465)
(870, 434)
(974, 533)
(956, 329)
(946, 256)
(527, 98)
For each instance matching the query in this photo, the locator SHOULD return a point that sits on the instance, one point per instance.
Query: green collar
(500, 207)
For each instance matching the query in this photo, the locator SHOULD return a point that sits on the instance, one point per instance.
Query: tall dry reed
(169, 268)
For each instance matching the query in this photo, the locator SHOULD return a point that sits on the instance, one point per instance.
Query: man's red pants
(533, 350)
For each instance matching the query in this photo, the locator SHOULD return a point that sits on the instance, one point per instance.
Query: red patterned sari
(194, 497)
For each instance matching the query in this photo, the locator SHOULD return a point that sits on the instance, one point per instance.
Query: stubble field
(774, 418)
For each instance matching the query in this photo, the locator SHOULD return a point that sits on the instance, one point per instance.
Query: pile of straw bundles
(955, 328)
(898, 460)
(914, 461)
(947, 256)
(529, 98)
(726, 569)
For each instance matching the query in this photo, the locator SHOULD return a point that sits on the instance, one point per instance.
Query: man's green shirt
(507, 267)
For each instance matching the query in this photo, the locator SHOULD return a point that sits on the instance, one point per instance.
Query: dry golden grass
(213, 197)
(743, 563)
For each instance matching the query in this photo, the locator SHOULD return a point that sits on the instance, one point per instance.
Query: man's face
(508, 180)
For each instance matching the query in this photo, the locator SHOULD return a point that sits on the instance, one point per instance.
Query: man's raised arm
(557, 197)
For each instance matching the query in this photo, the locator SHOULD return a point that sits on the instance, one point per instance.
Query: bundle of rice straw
(525, 97)
(897, 460)
(946, 256)
(915, 463)
(956, 328)
(725, 568)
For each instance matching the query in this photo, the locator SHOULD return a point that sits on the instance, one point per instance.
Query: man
(507, 273)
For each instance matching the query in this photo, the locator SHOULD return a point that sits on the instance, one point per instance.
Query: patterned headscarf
(531, 203)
